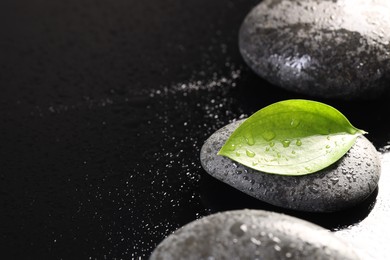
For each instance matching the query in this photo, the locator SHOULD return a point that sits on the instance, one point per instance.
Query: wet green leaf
(291, 137)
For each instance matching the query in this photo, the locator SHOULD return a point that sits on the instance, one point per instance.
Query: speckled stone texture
(329, 49)
(343, 184)
(252, 234)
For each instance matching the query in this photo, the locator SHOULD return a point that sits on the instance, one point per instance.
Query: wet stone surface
(342, 185)
(252, 234)
(329, 49)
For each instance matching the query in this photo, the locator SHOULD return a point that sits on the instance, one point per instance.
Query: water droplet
(231, 147)
(334, 180)
(271, 144)
(238, 154)
(298, 142)
(293, 152)
(294, 122)
(238, 229)
(250, 153)
(254, 163)
(278, 155)
(268, 135)
(267, 149)
(313, 189)
(255, 241)
(307, 169)
(244, 228)
(288, 255)
(327, 146)
(328, 137)
(277, 248)
(286, 143)
(249, 140)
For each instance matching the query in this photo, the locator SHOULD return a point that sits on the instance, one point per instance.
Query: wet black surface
(104, 106)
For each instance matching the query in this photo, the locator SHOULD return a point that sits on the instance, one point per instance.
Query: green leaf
(291, 137)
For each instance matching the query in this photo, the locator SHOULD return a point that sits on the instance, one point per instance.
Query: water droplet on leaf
(250, 153)
(268, 135)
(294, 123)
(286, 143)
(249, 140)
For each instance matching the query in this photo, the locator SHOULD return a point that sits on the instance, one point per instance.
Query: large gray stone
(341, 185)
(252, 234)
(324, 48)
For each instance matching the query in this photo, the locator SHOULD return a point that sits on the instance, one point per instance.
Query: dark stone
(341, 185)
(252, 234)
(328, 49)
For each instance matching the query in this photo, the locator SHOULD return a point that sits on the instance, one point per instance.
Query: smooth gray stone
(252, 234)
(329, 49)
(341, 185)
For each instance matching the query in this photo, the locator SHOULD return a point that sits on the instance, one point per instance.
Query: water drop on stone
(238, 229)
(255, 241)
(334, 180)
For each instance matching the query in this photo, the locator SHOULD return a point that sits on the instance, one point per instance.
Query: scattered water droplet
(255, 241)
(238, 229)
(267, 149)
(238, 154)
(250, 153)
(232, 147)
(244, 228)
(286, 143)
(254, 163)
(327, 146)
(294, 122)
(293, 152)
(249, 140)
(298, 142)
(313, 189)
(278, 155)
(268, 135)
(271, 144)
(334, 180)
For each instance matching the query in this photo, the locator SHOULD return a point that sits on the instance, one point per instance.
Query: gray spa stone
(341, 185)
(324, 48)
(252, 234)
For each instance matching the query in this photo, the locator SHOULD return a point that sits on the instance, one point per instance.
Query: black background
(104, 106)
